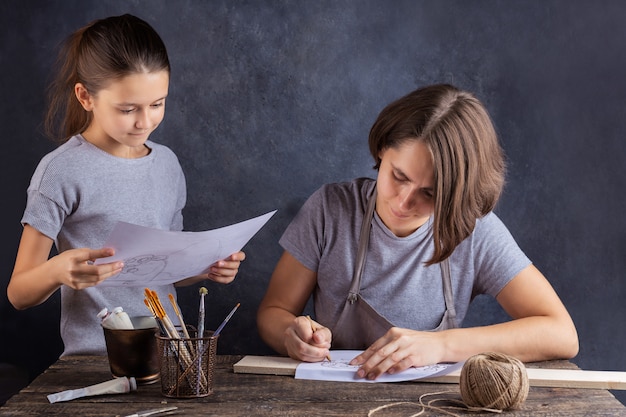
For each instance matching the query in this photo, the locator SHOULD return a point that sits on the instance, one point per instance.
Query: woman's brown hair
(467, 158)
(95, 55)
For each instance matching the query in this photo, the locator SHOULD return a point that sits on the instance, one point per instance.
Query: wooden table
(271, 395)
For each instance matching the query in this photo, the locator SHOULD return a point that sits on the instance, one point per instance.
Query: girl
(108, 97)
(393, 264)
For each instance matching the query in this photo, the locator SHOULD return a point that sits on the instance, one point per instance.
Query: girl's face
(405, 187)
(126, 112)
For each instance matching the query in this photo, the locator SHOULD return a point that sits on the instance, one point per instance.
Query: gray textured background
(270, 99)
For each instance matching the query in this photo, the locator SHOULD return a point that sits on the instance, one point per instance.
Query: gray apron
(359, 325)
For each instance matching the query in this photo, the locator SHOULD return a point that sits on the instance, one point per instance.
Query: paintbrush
(203, 292)
(314, 329)
(219, 329)
(180, 349)
(157, 319)
(179, 315)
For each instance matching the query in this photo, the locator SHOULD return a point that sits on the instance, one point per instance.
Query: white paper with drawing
(156, 257)
(339, 369)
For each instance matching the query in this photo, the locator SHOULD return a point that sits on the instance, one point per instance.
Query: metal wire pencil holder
(187, 364)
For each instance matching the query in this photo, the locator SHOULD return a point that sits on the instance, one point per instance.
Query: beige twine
(492, 382)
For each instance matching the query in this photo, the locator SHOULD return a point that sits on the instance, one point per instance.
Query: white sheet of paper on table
(157, 257)
(338, 369)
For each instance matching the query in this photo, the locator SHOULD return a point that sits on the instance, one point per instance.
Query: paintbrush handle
(219, 329)
(201, 318)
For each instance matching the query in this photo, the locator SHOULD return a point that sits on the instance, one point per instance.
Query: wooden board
(266, 365)
(537, 377)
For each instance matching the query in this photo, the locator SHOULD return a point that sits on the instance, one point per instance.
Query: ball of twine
(493, 381)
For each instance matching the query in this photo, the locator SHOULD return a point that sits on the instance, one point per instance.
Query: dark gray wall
(269, 100)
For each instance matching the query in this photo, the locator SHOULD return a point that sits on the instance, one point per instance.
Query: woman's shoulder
(491, 233)
(356, 189)
(340, 199)
(488, 223)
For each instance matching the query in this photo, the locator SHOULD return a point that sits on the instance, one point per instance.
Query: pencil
(313, 329)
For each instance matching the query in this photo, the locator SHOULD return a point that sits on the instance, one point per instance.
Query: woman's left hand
(224, 271)
(397, 350)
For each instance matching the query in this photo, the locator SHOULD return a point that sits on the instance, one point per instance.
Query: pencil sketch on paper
(342, 363)
(144, 265)
(339, 369)
(159, 257)
(150, 268)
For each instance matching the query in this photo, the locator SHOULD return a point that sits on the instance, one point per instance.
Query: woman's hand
(541, 329)
(398, 350)
(306, 340)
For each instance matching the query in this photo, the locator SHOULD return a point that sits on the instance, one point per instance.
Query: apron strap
(447, 292)
(361, 254)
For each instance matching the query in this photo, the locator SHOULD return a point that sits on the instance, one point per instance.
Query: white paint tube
(115, 386)
(122, 318)
(117, 319)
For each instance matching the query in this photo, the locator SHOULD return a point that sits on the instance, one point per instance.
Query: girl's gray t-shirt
(324, 237)
(77, 194)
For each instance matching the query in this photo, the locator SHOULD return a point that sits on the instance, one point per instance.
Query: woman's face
(405, 187)
(126, 112)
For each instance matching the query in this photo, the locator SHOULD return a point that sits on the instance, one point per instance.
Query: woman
(393, 264)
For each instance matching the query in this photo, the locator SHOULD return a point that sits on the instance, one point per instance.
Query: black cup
(133, 352)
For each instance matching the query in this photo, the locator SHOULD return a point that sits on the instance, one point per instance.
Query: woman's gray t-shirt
(324, 237)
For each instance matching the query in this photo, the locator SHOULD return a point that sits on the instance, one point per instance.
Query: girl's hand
(75, 267)
(399, 349)
(304, 344)
(224, 271)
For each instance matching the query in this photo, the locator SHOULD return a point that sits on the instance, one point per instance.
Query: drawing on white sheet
(144, 265)
(339, 364)
(151, 267)
(162, 257)
(345, 365)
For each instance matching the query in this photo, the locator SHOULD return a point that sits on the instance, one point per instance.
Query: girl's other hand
(224, 271)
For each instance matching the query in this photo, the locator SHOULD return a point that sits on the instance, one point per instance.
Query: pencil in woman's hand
(314, 329)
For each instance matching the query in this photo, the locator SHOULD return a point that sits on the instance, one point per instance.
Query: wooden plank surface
(238, 394)
(537, 377)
